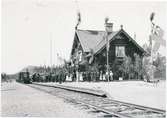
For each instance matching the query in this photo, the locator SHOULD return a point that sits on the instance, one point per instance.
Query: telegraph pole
(51, 52)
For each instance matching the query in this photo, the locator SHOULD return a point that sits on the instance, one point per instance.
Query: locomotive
(24, 77)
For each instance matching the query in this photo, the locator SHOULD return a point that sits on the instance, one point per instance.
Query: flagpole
(151, 61)
(76, 27)
(107, 48)
(107, 57)
(157, 36)
(151, 43)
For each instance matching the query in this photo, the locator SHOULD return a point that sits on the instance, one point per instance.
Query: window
(120, 51)
(80, 55)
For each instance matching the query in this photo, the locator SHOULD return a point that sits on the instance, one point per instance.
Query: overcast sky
(29, 25)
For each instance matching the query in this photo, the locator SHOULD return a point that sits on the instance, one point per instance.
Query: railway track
(108, 107)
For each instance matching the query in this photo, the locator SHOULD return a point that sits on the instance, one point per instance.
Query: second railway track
(109, 108)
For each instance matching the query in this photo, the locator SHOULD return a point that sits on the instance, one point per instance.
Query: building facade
(89, 49)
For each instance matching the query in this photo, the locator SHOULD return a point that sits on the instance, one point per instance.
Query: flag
(157, 37)
(60, 59)
(156, 46)
(72, 63)
(91, 60)
(152, 16)
(79, 19)
(91, 56)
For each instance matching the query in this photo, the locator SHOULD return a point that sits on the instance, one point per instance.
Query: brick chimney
(109, 27)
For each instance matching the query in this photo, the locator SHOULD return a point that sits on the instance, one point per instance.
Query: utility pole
(51, 52)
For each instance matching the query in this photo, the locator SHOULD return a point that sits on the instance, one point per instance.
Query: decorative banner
(152, 16)
(79, 19)
(91, 59)
(60, 59)
(157, 37)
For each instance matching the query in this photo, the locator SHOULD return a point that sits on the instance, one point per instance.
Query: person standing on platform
(97, 76)
(111, 75)
(106, 76)
(84, 76)
(60, 77)
(89, 76)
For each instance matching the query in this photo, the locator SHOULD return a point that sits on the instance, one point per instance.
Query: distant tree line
(8, 77)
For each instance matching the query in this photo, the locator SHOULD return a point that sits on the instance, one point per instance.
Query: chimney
(108, 26)
(121, 26)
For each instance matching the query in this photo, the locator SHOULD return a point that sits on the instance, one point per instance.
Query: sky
(29, 27)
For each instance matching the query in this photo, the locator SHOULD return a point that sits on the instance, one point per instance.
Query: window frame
(118, 47)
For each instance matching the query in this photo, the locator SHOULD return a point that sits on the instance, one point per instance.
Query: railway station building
(89, 48)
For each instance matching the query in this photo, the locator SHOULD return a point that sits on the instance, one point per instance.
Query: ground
(137, 92)
(21, 100)
(18, 100)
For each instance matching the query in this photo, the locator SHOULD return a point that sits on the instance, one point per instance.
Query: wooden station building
(89, 48)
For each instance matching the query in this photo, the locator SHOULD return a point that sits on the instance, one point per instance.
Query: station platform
(99, 93)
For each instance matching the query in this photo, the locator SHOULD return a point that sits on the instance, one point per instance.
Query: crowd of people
(96, 76)
(61, 77)
(89, 76)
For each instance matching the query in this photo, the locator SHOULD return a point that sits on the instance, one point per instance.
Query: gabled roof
(102, 43)
(91, 39)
